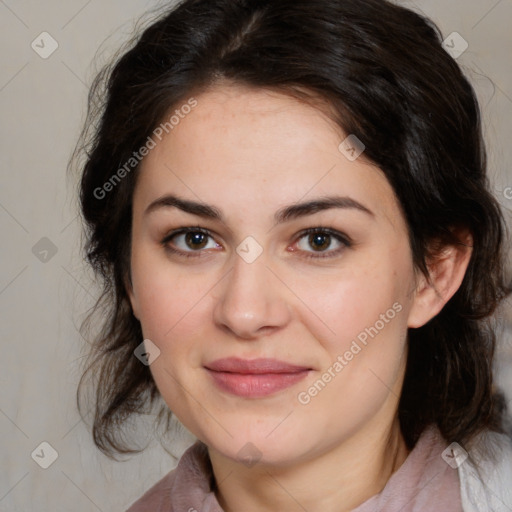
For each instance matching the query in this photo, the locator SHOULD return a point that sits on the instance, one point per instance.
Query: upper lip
(254, 366)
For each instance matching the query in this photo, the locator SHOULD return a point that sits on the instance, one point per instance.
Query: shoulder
(486, 474)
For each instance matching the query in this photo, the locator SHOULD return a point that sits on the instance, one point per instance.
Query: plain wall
(43, 295)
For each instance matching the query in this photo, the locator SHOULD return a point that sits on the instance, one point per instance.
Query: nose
(252, 301)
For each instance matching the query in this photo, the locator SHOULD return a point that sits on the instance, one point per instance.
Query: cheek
(363, 360)
(169, 307)
(173, 313)
(366, 353)
(368, 300)
(165, 295)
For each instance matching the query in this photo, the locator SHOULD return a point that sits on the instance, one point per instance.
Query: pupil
(319, 241)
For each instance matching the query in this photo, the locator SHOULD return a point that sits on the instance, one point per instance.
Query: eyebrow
(285, 214)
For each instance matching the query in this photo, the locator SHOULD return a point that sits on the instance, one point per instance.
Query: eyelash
(319, 255)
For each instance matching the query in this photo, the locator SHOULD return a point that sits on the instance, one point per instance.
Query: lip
(254, 378)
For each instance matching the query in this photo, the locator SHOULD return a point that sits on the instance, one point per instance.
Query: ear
(446, 270)
(131, 296)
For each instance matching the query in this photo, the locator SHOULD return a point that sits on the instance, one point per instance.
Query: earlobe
(133, 303)
(446, 273)
(131, 296)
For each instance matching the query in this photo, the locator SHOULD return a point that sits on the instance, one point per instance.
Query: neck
(338, 479)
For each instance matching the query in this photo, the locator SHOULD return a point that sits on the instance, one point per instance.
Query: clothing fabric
(486, 477)
(425, 482)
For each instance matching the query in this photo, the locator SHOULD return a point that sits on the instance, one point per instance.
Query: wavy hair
(386, 78)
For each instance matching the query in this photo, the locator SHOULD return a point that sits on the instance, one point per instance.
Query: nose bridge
(251, 298)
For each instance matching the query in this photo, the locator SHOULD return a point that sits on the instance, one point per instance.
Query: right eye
(189, 240)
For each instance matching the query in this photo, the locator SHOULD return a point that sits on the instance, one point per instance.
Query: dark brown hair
(383, 71)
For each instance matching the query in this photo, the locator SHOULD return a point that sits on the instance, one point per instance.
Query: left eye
(322, 240)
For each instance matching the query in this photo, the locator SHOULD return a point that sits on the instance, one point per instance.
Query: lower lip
(255, 385)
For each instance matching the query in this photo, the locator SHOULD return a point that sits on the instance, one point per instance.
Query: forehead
(242, 147)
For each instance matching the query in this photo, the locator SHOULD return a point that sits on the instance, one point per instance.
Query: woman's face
(268, 335)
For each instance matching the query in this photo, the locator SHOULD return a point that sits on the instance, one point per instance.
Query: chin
(254, 448)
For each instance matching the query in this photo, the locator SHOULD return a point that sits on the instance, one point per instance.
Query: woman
(288, 206)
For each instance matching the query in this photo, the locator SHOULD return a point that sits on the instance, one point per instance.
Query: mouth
(254, 378)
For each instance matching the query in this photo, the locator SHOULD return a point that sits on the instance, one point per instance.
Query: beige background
(42, 103)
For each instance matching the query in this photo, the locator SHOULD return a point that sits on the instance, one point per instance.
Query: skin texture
(249, 153)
